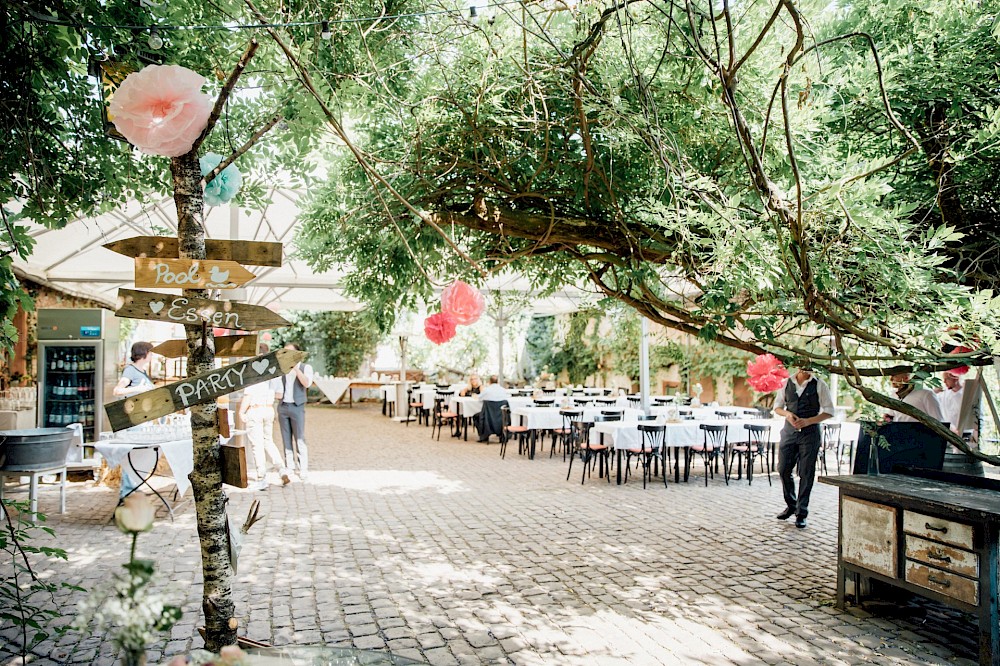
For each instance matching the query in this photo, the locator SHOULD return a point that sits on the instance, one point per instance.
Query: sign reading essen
(199, 389)
(190, 274)
(255, 253)
(190, 310)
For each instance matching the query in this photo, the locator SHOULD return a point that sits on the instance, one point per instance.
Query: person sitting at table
(135, 378)
(494, 391)
(489, 421)
(474, 386)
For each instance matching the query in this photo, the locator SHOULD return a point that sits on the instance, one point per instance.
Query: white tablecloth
(332, 387)
(179, 454)
(549, 418)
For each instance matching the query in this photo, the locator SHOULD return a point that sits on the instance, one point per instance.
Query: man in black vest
(292, 415)
(804, 402)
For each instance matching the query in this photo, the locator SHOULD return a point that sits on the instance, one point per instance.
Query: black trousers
(800, 448)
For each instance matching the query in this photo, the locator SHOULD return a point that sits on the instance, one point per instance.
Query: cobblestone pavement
(443, 552)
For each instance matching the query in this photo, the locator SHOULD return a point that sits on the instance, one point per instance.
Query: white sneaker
(261, 485)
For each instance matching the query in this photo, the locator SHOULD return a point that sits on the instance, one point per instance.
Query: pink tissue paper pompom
(439, 327)
(766, 373)
(161, 109)
(465, 304)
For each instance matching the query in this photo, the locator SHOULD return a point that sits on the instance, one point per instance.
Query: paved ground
(446, 553)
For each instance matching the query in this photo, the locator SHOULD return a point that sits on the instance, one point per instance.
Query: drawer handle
(938, 581)
(935, 556)
(942, 530)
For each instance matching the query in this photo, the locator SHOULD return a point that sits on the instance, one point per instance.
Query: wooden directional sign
(184, 310)
(190, 274)
(225, 345)
(255, 253)
(200, 388)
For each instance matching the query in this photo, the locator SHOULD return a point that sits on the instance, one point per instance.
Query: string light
(325, 30)
(155, 41)
(53, 20)
(472, 12)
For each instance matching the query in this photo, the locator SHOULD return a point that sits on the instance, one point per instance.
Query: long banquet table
(624, 434)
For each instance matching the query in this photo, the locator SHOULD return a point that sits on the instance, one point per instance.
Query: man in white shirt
(804, 403)
(923, 399)
(493, 391)
(950, 400)
(292, 414)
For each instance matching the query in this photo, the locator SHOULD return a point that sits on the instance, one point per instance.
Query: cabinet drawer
(938, 529)
(937, 555)
(943, 582)
(868, 536)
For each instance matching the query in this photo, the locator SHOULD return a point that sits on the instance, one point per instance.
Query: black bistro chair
(712, 447)
(518, 431)
(830, 441)
(758, 446)
(650, 449)
(562, 435)
(442, 414)
(590, 452)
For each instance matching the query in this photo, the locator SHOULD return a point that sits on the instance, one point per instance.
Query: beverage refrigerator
(78, 358)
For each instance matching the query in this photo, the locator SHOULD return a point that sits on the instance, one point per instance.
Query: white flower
(135, 515)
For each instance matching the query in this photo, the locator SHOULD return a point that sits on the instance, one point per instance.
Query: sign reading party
(190, 273)
(200, 388)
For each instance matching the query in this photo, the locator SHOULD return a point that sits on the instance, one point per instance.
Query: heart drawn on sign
(156, 306)
(260, 366)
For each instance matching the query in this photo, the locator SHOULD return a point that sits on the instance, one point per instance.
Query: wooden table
(930, 536)
(360, 384)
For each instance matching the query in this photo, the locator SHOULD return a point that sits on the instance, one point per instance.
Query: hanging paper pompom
(465, 304)
(962, 369)
(439, 327)
(766, 373)
(161, 109)
(225, 185)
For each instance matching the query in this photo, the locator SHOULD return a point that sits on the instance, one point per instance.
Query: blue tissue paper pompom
(224, 186)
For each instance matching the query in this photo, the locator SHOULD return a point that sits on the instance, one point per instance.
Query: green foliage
(338, 342)
(26, 601)
(620, 348)
(575, 354)
(710, 359)
(539, 346)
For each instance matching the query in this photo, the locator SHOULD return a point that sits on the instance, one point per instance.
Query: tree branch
(227, 89)
(210, 176)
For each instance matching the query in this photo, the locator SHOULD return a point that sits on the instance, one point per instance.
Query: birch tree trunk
(206, 479)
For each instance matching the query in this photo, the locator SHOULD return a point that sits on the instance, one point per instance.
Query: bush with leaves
(26, 600)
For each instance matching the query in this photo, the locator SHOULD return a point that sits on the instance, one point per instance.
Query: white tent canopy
(73, 260)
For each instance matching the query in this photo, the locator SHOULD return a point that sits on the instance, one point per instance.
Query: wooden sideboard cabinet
(934, 538)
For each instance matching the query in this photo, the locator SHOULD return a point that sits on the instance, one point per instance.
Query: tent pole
(644, 368)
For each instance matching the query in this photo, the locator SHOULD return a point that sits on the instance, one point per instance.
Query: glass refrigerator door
(71, 386)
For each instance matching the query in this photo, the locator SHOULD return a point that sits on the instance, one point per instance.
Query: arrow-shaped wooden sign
(199, 389)
(185, 310)
(190, 274)
(225, 345)
(255, 253)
